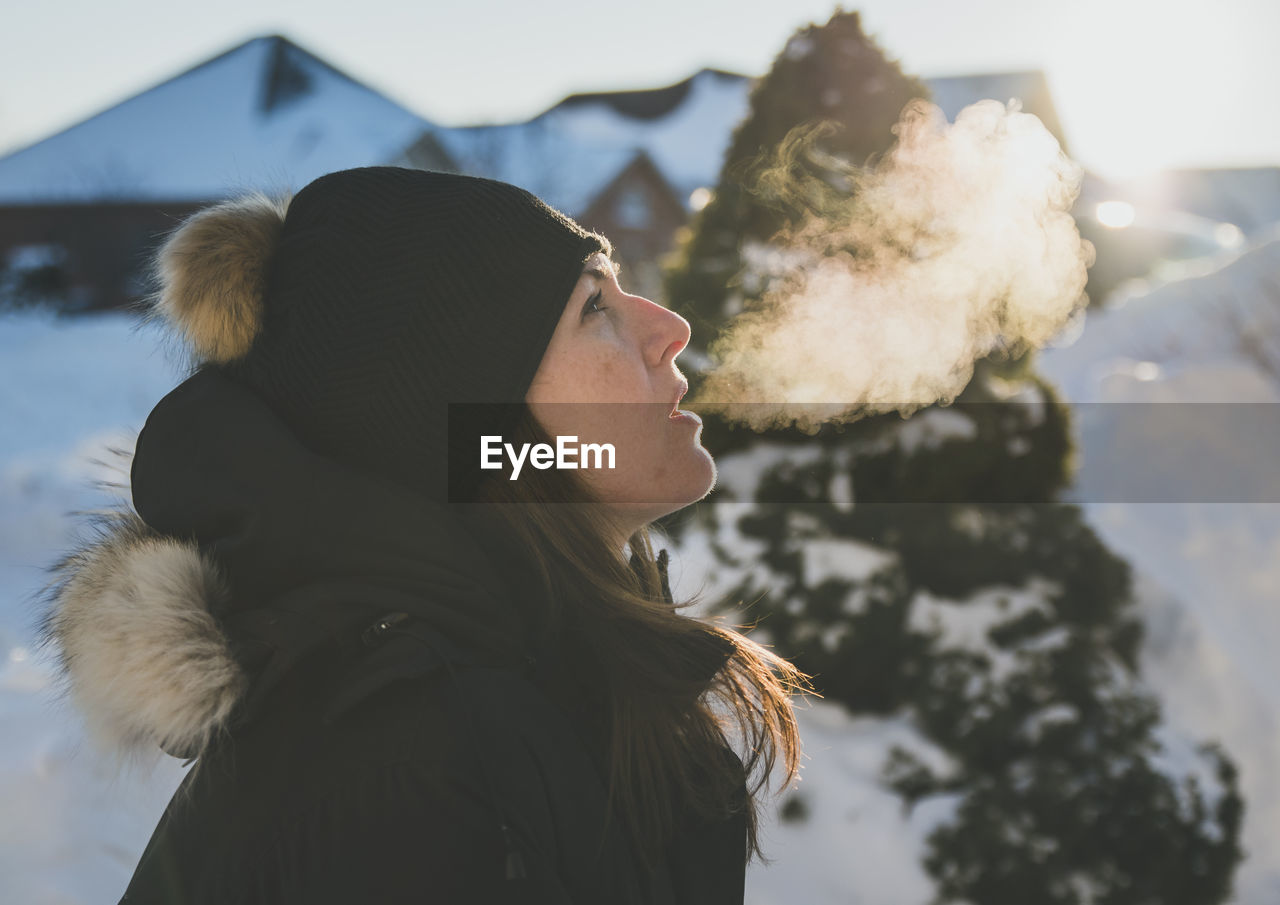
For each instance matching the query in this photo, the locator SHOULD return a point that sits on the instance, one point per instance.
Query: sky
(1139, 84)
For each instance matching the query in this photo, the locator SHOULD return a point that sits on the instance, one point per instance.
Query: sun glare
(1115, 214)
(1228, 235)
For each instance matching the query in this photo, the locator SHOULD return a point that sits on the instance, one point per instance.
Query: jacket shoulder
(447, 777)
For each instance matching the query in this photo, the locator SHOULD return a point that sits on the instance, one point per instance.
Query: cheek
(592, 375)
(602, 393)
(609, 374)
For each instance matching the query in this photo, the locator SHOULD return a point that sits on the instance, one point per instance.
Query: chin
(695, 482)
(711, 476)
(644, 500)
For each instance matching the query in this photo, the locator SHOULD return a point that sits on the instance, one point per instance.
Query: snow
(1189, 327)
(933, 427)
(736, 473)
(798, 47)
(570, 153)
(965, 625)
(856, 845)
(74, 823)
(678, 142)
(205, 135)
(1184, 374)
(1207, 581)
(842, 559)
(34, 257)
(565, 172)
(211, 132)
(1053, 715)
(1248, 198)
(1207, 573)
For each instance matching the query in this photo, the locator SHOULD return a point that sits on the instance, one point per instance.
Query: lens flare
(1115, 214)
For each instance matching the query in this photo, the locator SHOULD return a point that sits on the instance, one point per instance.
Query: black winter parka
(374, 712)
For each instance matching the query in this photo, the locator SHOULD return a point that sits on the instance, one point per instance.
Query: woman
(404, 676)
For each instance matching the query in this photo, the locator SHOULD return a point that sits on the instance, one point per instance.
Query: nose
(668, 333)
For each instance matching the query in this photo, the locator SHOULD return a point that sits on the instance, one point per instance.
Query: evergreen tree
(1052, 742)
(827, 74)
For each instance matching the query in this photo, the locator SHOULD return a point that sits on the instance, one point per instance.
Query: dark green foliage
(1062, 800)
(1061, 796)
(1052, 741)
(826, 74)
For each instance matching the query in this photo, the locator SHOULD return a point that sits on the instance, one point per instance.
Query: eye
(593, 305)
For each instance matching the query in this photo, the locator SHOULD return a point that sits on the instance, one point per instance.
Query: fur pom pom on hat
(213, 275)
(372, 300)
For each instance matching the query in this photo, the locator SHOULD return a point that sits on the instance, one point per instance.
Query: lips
(680, 391)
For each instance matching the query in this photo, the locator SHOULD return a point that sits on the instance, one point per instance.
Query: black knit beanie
(381, 296)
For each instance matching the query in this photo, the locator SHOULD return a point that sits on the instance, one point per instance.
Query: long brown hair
(667, 720)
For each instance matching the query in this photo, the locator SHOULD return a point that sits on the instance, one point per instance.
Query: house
(626, 163)
(83, 210)
(266, 115)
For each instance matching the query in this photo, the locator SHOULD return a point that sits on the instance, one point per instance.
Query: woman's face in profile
(609, 376)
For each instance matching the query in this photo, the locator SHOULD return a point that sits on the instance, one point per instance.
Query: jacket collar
(247, 552)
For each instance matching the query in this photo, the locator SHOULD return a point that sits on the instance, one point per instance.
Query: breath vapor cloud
(957, 244)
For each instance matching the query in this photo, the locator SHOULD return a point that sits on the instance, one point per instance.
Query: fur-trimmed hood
(144, 659)
(244, 553)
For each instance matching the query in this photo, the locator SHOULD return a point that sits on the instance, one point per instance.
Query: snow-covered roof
(564, 172)
(574, 150)
(269, 115)
(265, 115)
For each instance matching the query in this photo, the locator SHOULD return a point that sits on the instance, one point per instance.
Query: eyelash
(593, 303)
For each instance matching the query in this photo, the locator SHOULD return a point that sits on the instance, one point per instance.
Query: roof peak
(167, 142)
(645, 103)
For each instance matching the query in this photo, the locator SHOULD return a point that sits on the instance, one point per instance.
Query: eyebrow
(597, 271)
